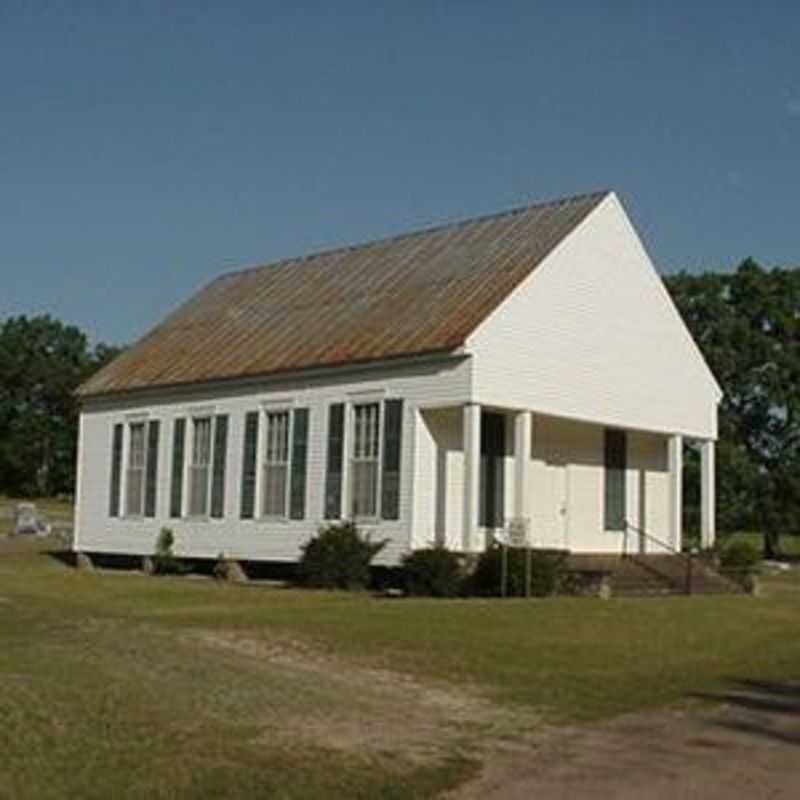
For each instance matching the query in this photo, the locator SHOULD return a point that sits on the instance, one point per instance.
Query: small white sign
(518, 533)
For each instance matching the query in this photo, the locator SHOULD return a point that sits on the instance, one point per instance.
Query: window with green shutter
(116, 470)
(249, 465)
(392, 451)
(615, 466)
(178, 449)
(334, 463)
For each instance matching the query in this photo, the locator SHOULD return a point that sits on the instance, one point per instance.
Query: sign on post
(516, 535)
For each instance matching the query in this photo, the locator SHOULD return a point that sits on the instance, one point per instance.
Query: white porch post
(472, 464)
(522, 460)
(675, 459)
(708, 502)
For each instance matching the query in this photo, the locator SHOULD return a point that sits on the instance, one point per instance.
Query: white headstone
(26, 520)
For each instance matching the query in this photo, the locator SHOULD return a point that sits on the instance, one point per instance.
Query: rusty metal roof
(409, 295)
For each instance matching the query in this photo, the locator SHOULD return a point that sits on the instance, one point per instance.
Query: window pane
(136, 452)
(365, 484)
(201, 452)
(198, 497)
(275, 490)
(135, 492)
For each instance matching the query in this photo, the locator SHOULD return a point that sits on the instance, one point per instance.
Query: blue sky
(146, 147)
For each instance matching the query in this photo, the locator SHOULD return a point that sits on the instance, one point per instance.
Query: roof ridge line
(348, 248)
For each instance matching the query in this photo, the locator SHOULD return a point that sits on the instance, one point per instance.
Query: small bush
(547, 567)
(221, 567)
(739, 555)
(164, 560)
(338, 557)
(433, 572)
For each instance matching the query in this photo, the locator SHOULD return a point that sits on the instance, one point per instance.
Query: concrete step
(654, 575)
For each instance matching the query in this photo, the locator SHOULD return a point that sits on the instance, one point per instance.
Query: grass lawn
(125, 686)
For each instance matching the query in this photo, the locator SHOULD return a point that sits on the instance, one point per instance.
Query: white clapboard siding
(568, 467)
(445, 382)
(592, 334)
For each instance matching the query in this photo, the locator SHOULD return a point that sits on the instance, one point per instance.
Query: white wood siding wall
(442, 383)
(567, 473)
(593, 335)
(440, 478)
(568, 465)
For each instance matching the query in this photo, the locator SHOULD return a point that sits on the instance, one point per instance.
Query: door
(558, 474)
(554, 507)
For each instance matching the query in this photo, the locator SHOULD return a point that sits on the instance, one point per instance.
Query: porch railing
(687, 559)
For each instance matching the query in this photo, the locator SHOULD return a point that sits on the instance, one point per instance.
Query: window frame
(139, 423)
(268, 411)
(190, 467)
(351, 445)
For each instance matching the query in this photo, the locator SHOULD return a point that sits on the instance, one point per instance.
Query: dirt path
(745, 745)
(749, 747)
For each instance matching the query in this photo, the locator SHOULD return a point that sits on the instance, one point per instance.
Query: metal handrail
(674, 551)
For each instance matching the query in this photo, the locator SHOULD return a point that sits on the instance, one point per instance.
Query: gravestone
(27, 520)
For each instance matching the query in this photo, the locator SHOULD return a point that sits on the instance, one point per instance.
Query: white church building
(436, 387)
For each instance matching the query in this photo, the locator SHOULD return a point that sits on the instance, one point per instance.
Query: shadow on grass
(64, 556)
(764, 709)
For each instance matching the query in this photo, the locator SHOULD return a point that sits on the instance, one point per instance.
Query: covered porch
(573, 485)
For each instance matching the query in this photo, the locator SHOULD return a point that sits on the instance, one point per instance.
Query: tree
(748, 326)
(42, 362)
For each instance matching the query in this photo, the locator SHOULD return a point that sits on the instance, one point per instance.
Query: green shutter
(297, 493)
(392, 450)
(218, 466)
(333, 478)
(176, 488)
(116, 470)
(151, 469)
(615, 466)
(249, 457)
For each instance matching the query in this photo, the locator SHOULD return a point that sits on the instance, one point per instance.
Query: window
(200, 470)
(373, 465)
(276, 464)
(134, 479)
(365, 460)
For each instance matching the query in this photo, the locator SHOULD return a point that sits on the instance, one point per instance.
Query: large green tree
(42, 361)
(747, 324)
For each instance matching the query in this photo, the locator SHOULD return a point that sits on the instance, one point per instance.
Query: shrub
(338, 557)
(433, 572)
(221, 568)
(546, 566)
(739, 555)
(164, 560)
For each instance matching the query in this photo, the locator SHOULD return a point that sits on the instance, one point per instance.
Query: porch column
(708, 501)
(472, 465)
(522, 460)
(675, 462)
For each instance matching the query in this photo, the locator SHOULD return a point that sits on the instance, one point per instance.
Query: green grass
(109, 687)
